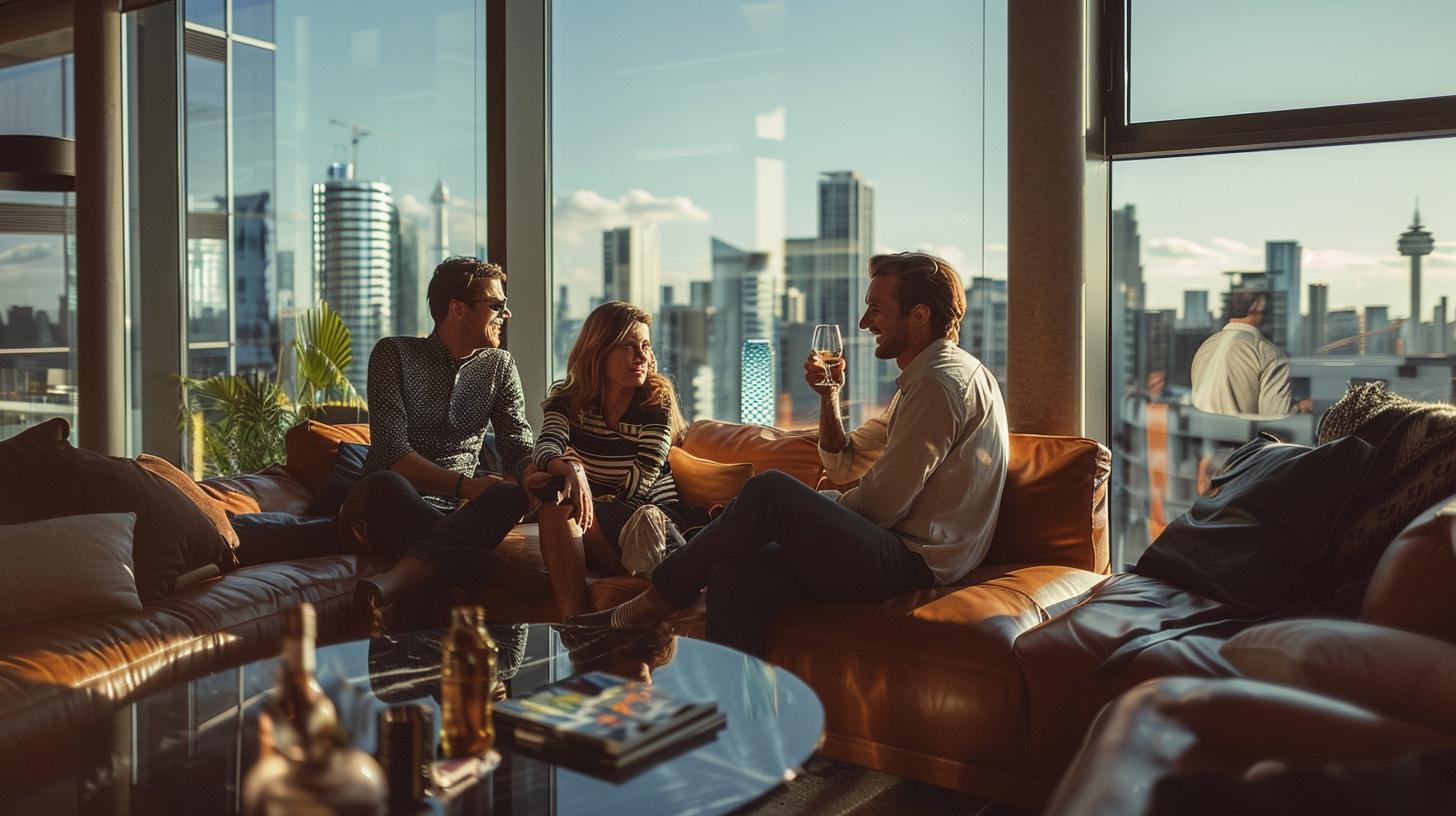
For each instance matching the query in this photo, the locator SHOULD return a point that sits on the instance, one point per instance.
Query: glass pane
(709, 167)
(206, 12)
(37, 260)
(206, 135)
(35, 98)
(205, 362)
(253, 18)
(1189, 58)
(207, 289)
(379, 157)
(1321, 271)
(255, 284)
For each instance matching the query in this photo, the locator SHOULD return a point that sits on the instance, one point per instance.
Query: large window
(730, 168)
(37, 258)
(1251, 287)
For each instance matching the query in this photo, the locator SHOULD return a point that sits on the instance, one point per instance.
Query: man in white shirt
(1238, 371)
(931, 470)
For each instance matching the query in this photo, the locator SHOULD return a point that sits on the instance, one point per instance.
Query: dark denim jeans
(460, 543)
(779, 542)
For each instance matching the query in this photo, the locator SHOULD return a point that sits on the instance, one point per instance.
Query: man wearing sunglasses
(427, 498)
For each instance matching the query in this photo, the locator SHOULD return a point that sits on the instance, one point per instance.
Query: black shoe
(371, 615)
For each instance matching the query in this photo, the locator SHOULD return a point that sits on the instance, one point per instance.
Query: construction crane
(357, 132)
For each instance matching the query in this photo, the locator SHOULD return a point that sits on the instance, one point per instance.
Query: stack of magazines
(601, 723)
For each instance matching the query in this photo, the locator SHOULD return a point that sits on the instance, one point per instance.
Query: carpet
(830, 788)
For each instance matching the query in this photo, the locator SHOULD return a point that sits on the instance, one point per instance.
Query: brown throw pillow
(794, 452)
(313, 446)
(45, 477)
(703, 482)
(215, 511)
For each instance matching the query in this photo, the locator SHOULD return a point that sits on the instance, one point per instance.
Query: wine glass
(829, 347)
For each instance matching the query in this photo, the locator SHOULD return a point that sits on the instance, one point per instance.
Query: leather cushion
(1054, 507)
(1412, 586)
(215, 510)
(313, 446)
(794, 452)
(1060, 659)
(94, 576)
(703, 482)
(929, 672)
(1401, 674)
(47, 478)
(270, 490)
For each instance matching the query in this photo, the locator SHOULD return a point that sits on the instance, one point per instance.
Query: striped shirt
(625, 463)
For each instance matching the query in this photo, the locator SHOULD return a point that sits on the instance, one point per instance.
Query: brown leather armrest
(1411, 588)
(1186, 724)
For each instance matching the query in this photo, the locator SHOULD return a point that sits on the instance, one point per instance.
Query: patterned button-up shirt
(423, 400)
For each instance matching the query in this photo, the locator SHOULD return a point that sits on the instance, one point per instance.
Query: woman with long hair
(605, 436)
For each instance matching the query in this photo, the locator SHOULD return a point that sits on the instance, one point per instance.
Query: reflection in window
(705, 170)
(37, 259)
(1354, 281)
(206, 135)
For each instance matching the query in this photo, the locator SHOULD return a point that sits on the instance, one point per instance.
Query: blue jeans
(779, 542)
(460, 543)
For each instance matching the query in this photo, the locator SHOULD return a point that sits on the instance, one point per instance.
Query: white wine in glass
(829, 348)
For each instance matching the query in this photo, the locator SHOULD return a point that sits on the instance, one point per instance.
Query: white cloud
(28, 253)
(411, 206)
(1174, 247)
(954, 254)
(580, 213)
(1236, 247)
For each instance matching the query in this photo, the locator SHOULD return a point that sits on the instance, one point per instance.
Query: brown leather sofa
(923, 685)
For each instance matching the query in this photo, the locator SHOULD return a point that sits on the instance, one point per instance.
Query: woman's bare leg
(565, 557)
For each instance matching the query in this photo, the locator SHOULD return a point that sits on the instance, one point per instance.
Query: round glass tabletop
(192, 745)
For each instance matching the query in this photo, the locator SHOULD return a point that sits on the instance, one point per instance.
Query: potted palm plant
(237, 421)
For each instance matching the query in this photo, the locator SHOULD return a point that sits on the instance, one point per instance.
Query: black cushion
(347, 471)
(1260, 537)
(45, 477)
(268, 537)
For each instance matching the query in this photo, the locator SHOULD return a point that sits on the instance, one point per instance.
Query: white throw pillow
(1400, 674)
(62, 567)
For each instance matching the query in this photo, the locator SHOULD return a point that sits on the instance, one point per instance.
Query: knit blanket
(1414, 467)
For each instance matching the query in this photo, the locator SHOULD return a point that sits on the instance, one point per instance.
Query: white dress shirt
(938, 458)
(1238, 371)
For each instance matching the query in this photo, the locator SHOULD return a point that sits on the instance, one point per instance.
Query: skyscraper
(1342, 325)
(1377, 341)
(1195, 310)
(1319, 308)
(1415, 243)
(983, 332)
(682, 337)
(630, 267)
(1283, 259)
(1127, 298)
(353, 257)
(255, 326)
(743, 302)
(405, 295)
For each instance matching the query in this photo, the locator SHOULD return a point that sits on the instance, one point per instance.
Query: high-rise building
(255, 326)
(353, 257)
(630, 268)
(1195, 310)
(1283, 259)
(1415, 243)
(1159, 351)
(683, 339)
(744, 302)
(1342, 325)
(405, 296)
(1441, 343)
(1319, 308)
(1127, 298)
(983, 332)
(1378, 338)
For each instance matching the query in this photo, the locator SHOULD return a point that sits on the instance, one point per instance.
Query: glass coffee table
(189, 747)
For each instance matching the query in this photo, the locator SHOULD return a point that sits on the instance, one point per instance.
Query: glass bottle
(304, 762)
(467, 671)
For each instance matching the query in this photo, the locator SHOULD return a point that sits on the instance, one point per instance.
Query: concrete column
(1047, 150)
(100, 265)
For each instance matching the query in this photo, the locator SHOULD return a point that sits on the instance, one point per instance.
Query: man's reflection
(1238, 370)
(629, 654)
